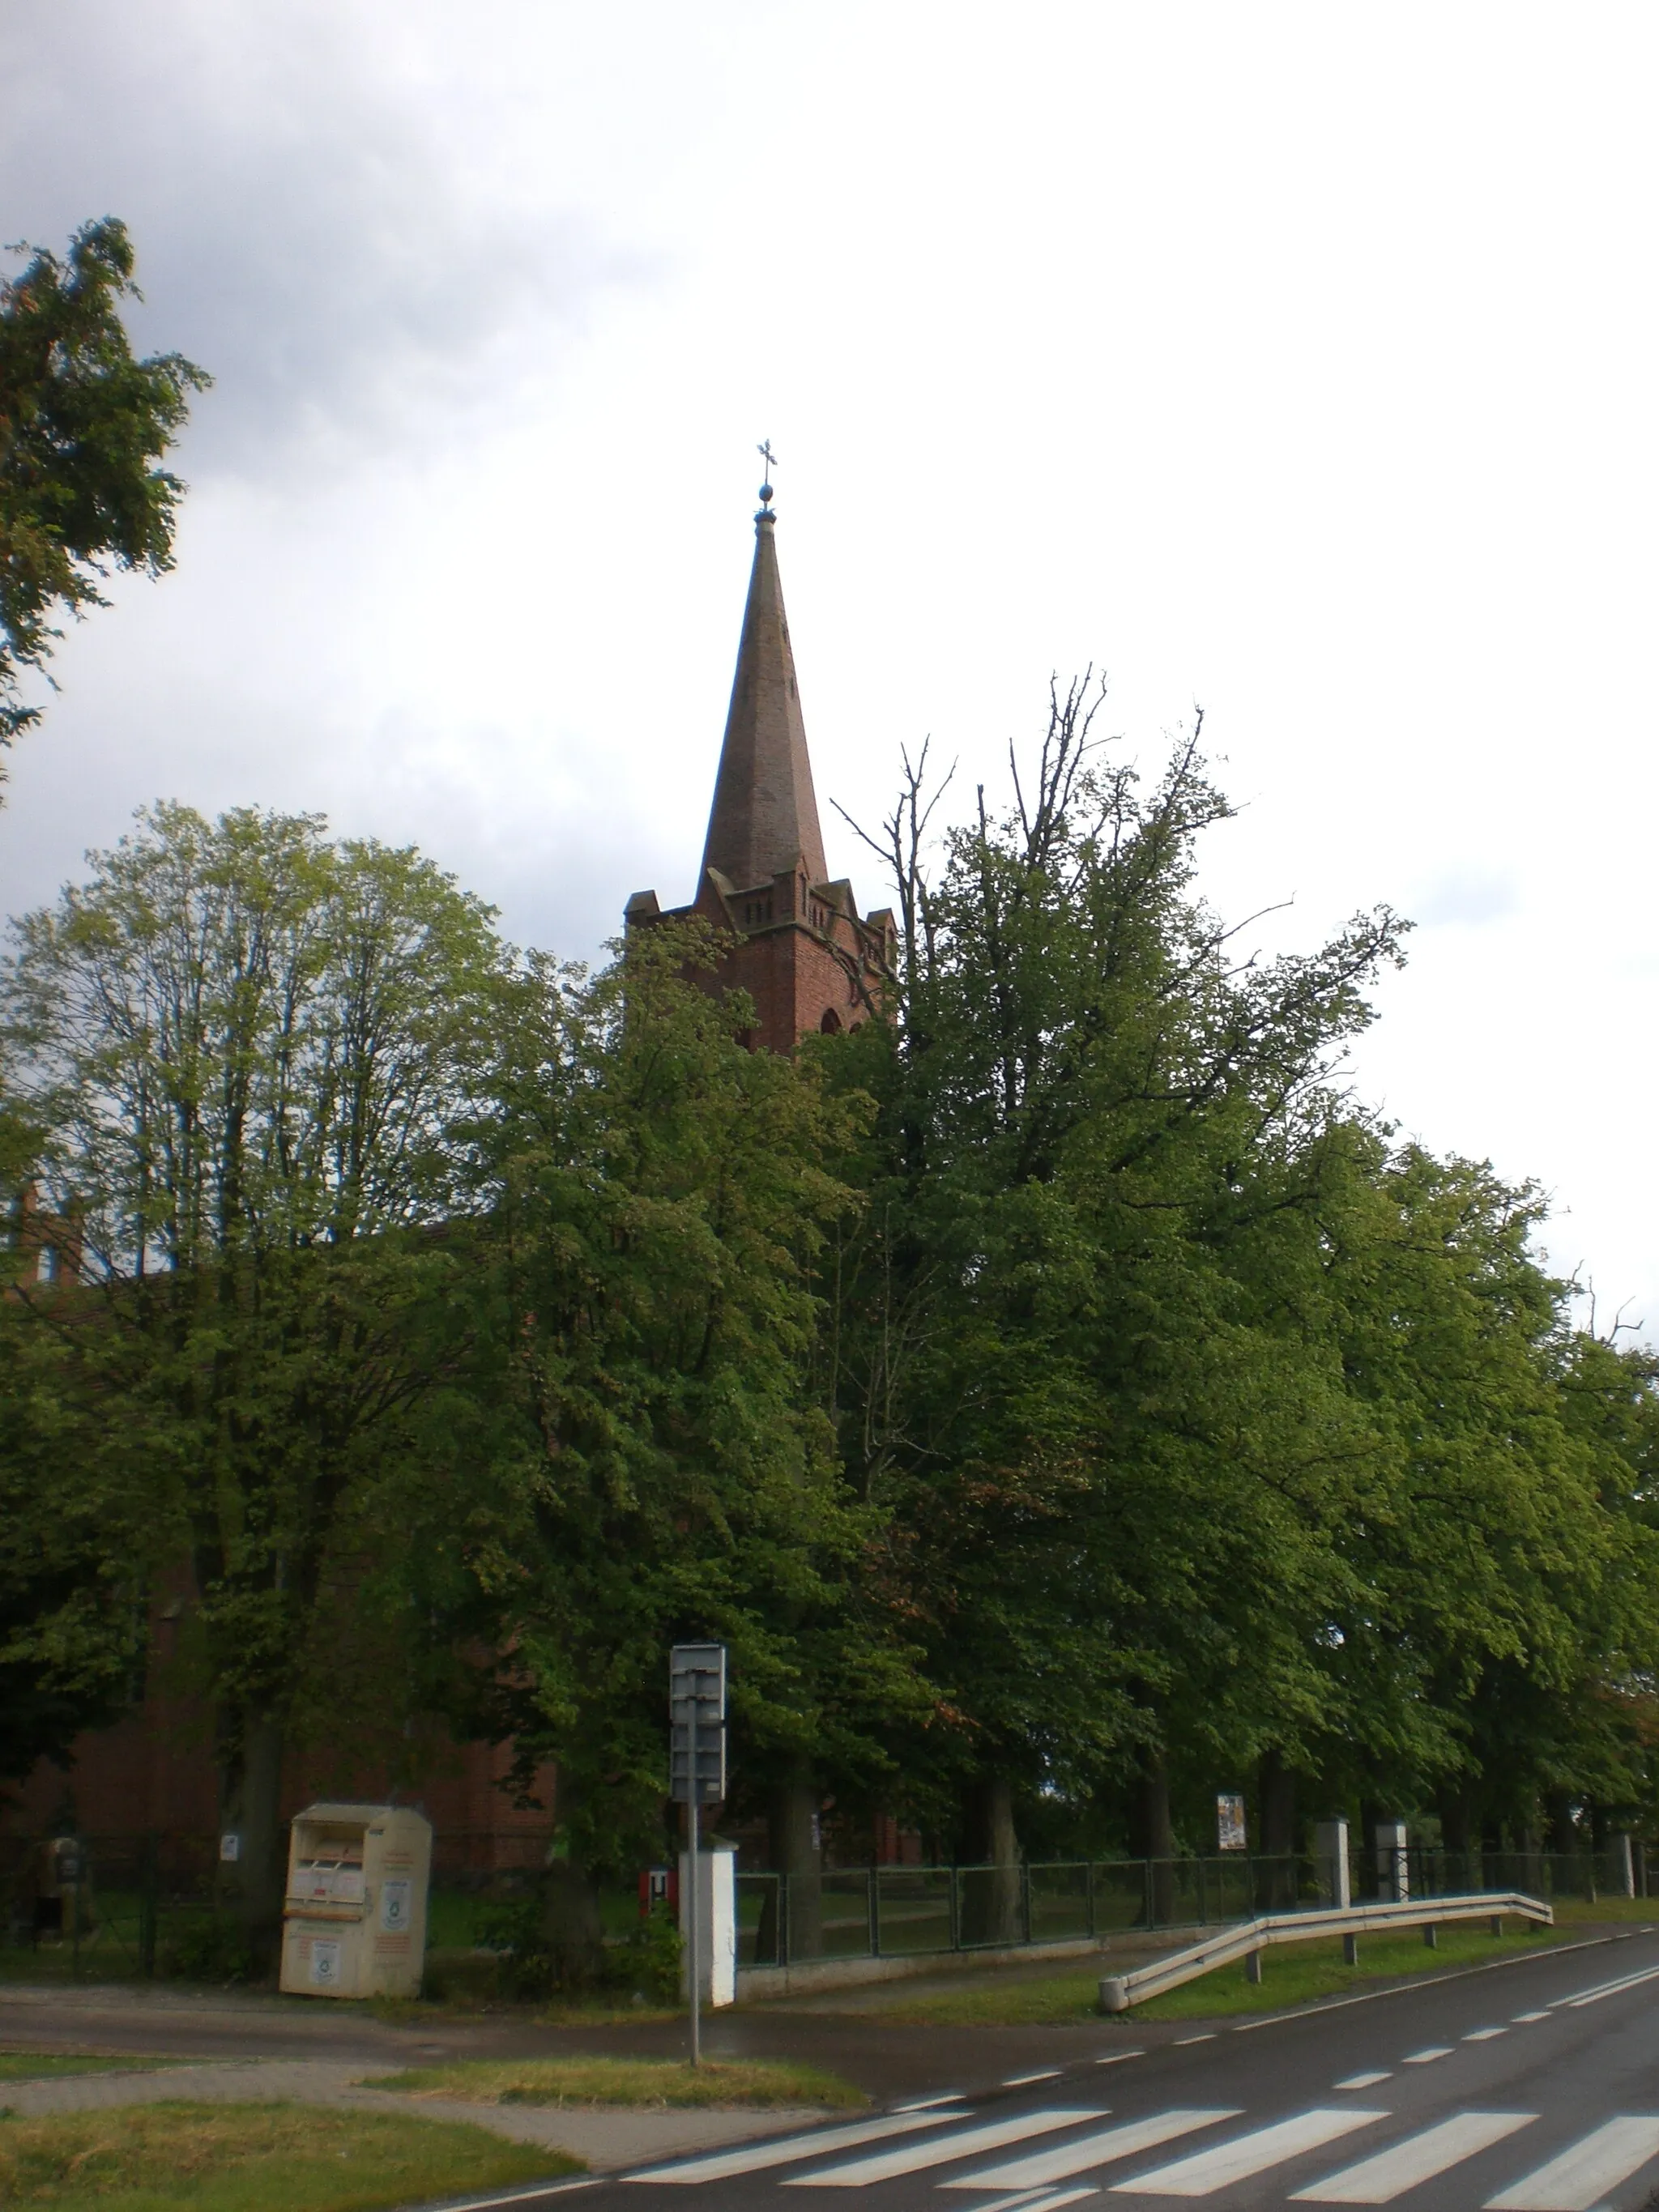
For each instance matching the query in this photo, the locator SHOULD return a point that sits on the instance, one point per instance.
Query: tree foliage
(84, 424)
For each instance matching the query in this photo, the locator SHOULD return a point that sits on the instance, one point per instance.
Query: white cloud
(1290, 359)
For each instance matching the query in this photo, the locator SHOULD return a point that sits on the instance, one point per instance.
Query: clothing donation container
(354, 1921)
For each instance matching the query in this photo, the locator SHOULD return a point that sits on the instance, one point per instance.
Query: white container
(354, 1920)
(717, 1925)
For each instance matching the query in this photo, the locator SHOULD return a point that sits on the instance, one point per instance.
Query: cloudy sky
(1295, 360)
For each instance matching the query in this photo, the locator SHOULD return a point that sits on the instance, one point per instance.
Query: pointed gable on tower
(807, 959)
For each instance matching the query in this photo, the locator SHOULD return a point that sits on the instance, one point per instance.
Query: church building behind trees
(809, 962)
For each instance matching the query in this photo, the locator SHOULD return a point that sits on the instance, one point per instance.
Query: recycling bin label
(324, 1962)
(396, 1904)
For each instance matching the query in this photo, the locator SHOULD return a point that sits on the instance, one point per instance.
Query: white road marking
(928, 2104)
(1209, 2036)
(1125, 2141)
(1021, 2201)
(1206, 2170)
(1483, 2034)
(1365, 2081)
(1525, 2018)
(1424, 2057)
(1406, 2165)
(718, 2166)
(1117, 2057)
(860, 2173)
(545, 2189)
(1024, 2081)
(1606, 1989)
(1579, 2178)
(1054, 2203)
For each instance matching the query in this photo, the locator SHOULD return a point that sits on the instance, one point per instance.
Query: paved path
(605, 2140)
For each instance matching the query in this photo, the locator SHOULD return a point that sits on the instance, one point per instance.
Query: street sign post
(696, 1774)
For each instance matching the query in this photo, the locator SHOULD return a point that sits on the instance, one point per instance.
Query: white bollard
(717, 1933)
(1331, 1852)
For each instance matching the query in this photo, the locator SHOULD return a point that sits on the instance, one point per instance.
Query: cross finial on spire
(771, 460)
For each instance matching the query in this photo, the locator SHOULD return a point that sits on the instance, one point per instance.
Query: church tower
(807, 959)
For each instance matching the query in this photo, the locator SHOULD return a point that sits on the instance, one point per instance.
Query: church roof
(765, 816)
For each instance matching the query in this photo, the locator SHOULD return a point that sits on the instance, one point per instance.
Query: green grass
(640, 2083)
(46, 2065)
(1293, 1974)
(254, 2158)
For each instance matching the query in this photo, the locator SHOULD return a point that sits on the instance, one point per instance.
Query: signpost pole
(696, 1777)
(694, 1902)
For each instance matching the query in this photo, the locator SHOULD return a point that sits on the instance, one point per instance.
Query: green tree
(1109, 1479)
(253, 1055)
(83, 425)
(650, 1464)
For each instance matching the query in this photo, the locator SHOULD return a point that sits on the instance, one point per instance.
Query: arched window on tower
(831, 1023)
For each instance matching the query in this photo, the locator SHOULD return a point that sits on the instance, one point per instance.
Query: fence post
(875, 1912)
(1025, 1897)
(1203, 1896)
(785, 1906)
(1089, 1873)
(1146, 1869)
(148, 1886)
(955, 1906)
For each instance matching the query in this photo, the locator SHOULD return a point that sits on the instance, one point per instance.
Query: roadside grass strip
(255, 2158)
(1298, 1973)
(639, 2084)
(53, 2065)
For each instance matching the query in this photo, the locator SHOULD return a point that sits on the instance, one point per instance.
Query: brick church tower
(807, 959)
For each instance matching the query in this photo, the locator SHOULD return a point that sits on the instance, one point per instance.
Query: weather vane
(770, 459)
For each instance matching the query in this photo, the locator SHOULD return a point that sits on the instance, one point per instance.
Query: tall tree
(650, 1462)
(253, 1055)
(84, 424)
(1108, 1481)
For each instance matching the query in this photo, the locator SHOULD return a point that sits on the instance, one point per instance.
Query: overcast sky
(1297, 360)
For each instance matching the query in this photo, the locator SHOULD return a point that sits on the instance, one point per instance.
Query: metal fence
(908, 1912)
(146, 1905)
(124, 1907)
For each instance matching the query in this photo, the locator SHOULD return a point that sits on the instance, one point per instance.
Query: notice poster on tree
(1230, 1823)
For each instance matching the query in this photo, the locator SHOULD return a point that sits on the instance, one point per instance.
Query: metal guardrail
(1251, 1937)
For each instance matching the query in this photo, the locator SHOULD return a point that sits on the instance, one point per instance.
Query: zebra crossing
(915, 2145)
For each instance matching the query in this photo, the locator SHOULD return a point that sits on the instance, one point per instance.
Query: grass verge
(254, 2158)
(648, 2083)
(1297, 1973)
(48, 2065)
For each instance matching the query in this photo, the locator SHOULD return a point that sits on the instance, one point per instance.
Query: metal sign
(1229, 1823)
(697, 1723)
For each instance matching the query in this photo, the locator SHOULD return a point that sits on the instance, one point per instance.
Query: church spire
(765, 816)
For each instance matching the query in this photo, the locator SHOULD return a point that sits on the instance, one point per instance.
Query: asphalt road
(1531, 2085)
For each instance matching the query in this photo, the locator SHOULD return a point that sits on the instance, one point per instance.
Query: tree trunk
(1151, 1836)
(1559, 1829)
(1276, 1791)
(570, 1927)
(990, 1885)
(1460, 1835)
(793, 1840)
(252, 1786)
